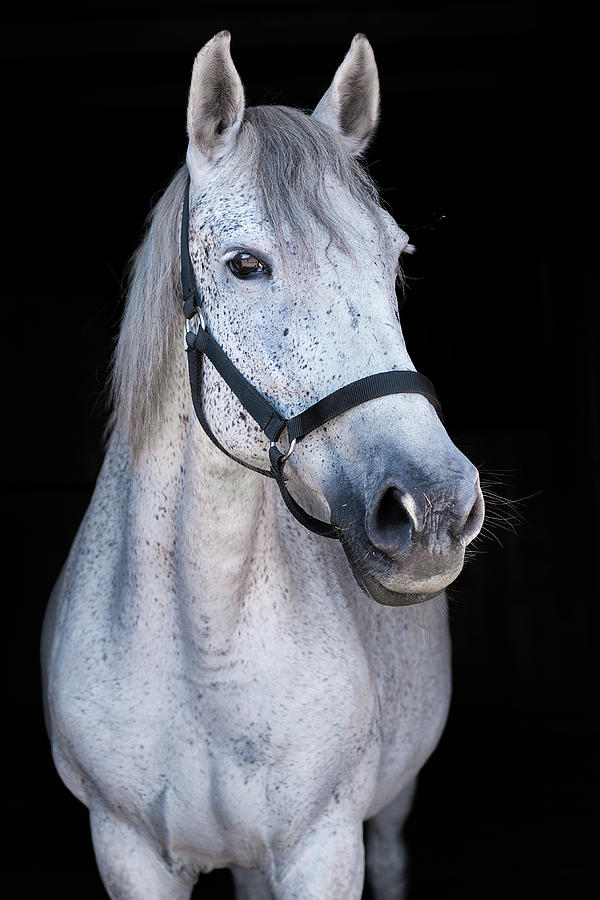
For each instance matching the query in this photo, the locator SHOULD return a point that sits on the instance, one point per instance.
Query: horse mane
(151, 322)
(294, 160)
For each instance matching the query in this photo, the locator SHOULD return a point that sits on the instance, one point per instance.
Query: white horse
(223, 687)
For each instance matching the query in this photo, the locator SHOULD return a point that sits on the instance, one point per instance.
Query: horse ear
(216, 104)
(351, 104)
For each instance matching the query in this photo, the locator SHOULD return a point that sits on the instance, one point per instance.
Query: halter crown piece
(200, 342)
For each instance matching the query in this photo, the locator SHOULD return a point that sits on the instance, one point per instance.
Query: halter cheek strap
(200, 343)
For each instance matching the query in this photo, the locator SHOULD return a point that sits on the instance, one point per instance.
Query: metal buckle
(285, 456)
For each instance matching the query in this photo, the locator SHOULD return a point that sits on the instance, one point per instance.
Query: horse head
(297, 263)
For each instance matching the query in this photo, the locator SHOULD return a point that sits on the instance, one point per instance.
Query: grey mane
(293, 159)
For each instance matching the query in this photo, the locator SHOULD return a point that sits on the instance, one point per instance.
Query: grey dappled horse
(223, 686)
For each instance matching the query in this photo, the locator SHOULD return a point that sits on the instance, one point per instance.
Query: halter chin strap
(201, 343)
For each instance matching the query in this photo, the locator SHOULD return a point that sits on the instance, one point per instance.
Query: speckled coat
(221, 690)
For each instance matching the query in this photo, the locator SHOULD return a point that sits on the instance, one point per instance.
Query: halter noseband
(200, 342)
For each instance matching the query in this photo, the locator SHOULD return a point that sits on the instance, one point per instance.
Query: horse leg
(386, 861)
(129, 865)
(327, 862)
(250, 884)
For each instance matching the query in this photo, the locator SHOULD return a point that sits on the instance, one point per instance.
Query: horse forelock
(299, 166)
(292, 160)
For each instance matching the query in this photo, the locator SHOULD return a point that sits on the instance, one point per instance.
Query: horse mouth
(371, 580)
(374, 589)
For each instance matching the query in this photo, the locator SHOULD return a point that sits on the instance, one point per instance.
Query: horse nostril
(471, 524)
(394, 523)
(390, 523)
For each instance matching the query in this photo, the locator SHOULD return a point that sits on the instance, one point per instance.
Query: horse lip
(373, 587)
(376, 591)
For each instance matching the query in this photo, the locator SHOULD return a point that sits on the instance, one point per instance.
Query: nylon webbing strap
(195, 373)
(188, 279)
(324, 529)
(380, 385)
(265, 415)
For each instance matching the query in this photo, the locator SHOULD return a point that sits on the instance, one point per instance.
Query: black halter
(201, 342)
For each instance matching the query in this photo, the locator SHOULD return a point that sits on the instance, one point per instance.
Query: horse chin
(378, 592)
(401, 588)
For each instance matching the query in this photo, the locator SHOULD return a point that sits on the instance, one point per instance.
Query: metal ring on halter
(189, 324)
(285, 456)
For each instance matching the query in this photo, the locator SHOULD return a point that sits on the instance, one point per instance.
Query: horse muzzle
(406, 540)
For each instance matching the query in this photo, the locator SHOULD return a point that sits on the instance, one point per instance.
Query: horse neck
(196, 522)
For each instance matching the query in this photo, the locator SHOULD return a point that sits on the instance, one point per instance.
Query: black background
(478, 155)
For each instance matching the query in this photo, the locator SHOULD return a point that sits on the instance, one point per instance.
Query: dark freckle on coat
(286, 331)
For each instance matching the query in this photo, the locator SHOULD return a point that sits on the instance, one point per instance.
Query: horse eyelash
(226, 257)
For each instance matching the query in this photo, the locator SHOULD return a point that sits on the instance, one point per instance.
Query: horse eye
(245, 265)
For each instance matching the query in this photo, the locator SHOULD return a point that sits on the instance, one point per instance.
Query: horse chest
(251, 763)
(229, 750)
(226, 756)
(248, 742)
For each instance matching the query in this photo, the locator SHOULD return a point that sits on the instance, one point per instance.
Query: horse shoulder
(75, 621)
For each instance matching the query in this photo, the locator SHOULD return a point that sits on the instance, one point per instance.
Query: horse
(243, 668)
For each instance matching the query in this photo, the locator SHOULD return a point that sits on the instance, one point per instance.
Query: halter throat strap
(202, 343)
